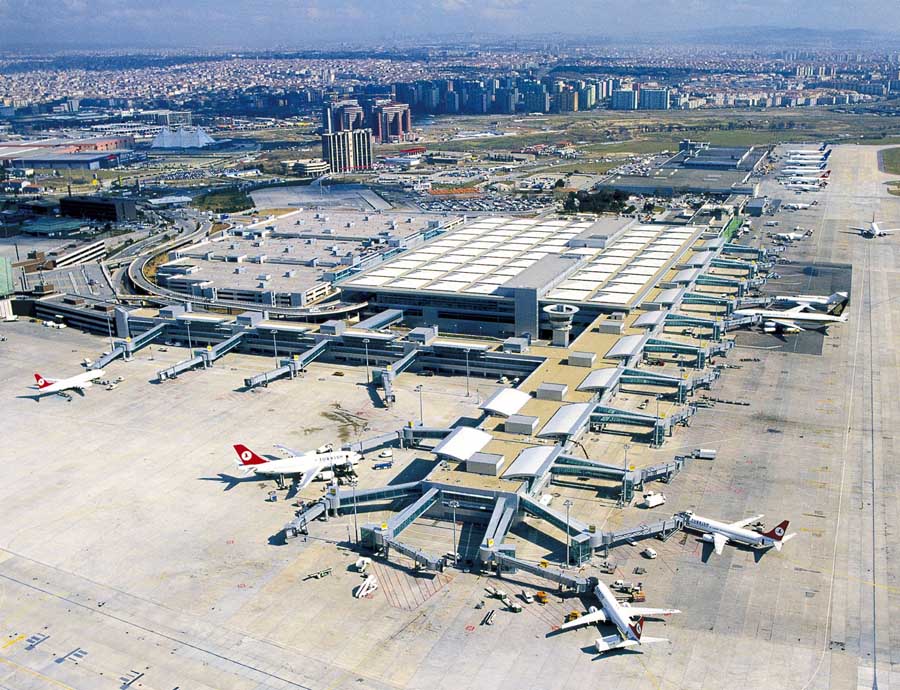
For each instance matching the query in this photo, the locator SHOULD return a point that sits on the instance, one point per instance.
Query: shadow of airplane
(229, 480)
(708, 550)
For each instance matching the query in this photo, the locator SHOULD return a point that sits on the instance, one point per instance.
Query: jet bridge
(535, 508)
(603, 415)
(745, 250)
(142, 340)
(659, 346)
(687, 321)
(300, 524)
(735, 264)
(661, 530)
(180, 367)
(581, 585)
(205, 357)
(501, 520)
(291, 367)
(118, 350)
(706, 299)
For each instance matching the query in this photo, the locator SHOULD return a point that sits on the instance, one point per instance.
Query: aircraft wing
(746, 521)
(786, 324)
(719, 541)
(587, 619)
(307, 479)
(635, 611)
(289, 451)
(856, 227)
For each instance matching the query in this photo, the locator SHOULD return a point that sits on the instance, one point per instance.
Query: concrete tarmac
(130, 548)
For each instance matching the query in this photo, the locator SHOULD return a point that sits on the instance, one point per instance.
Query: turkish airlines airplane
(620, 614)
(720, 533)
(302, 467)
(78, 383)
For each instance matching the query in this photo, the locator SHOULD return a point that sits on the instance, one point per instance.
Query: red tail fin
(637, 628)
(778, 532)
(247, 456)
(41, 381)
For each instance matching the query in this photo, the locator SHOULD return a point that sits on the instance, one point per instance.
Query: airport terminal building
(495, 276)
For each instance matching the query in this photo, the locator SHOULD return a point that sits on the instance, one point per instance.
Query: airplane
(802, 317)
(301, 467)
(791, 236)
(873, 230)
(621, 615)
(821, 148)
(720, 533)
(795, 172)
(836, 300)
(802, 187)
(79, 383)
(806, 176)
(806, 179)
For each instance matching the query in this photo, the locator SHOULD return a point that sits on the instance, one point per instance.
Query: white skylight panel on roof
(648, 263)
(443, 265)
(618, 254)
(611, 298)
(467, 277)
(620, 288)
(495, 279)
(409, 283)
(426, 274)
(594, 276)
(370, 281)
(389, 272)
(508, 271)
(574, 295)
(656, 255)
(577, 284)
(481, 289)
(629, 278)
(638, 270)
(447, 286)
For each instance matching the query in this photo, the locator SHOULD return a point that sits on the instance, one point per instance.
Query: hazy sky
(304, 23)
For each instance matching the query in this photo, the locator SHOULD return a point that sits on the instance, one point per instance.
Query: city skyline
(76, 24)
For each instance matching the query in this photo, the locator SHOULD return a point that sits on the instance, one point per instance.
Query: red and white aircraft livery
(79, 383)
(720, 533)
(302, 467)
(620, 614)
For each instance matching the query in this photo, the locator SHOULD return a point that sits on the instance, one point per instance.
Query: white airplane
(873, 230)
(806, 179)
(302, 467)
(802, 187)
(79, 383)
(820, 149)
(791, 236)
(720, 533)
(834, 301)
(796, 319)
(621, 615)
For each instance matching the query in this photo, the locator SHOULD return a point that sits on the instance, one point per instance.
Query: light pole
(568, 504)
(658, 396)
(418, 389)
(275, 348)
(353, 483)
(467, 373)
(190, 344)
(366, 344)
(454, 505)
